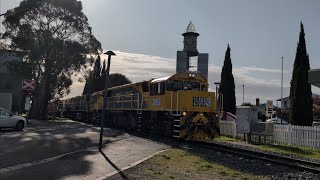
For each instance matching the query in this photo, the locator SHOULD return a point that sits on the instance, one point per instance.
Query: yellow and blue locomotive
(179, 106)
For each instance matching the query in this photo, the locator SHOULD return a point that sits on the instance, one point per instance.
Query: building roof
(191, 28)
(314, 77)
(160, 79)
(313, 95)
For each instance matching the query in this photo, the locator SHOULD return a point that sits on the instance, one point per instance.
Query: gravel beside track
(253, 148)
(258, 167)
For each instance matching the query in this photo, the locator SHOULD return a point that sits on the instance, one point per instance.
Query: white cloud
(257, 69)
(139, 67)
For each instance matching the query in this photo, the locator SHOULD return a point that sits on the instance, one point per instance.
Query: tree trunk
(40, 101)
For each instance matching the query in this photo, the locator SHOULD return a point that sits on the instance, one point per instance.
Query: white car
(8, 120)
(277, 121)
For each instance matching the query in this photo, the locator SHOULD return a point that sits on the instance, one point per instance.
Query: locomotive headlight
(184, 113)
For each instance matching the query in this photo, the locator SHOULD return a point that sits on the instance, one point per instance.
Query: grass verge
(224, 138)
(180, 164)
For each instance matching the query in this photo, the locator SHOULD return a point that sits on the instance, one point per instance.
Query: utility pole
(217, 86)
(243, 94)
(281, 87)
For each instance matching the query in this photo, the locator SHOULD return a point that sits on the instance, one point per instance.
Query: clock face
(189, 41)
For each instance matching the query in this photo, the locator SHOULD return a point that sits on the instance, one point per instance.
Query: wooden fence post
(289, 134)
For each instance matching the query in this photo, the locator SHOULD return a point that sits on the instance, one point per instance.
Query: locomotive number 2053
(201, 101)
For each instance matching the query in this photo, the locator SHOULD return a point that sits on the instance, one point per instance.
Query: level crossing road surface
(69, 150)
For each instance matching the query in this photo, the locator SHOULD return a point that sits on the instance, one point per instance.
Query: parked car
(277, 120)
(316, 123)
(8, 120)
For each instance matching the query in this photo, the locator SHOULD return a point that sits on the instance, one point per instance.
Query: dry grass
(179, 164)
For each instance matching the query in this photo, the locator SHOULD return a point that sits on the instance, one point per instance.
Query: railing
(228, 128)
(304, 136)
(139, 110)
(177, 104)
(128, 101)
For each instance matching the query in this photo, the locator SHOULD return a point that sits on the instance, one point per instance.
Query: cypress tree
(96, 75)
(103, 71)
(94, 78)
(88, 88)
(227, 87)
(300, 90)
(103, 76)
(97, 68)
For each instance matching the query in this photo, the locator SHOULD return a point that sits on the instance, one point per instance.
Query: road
(68, 150)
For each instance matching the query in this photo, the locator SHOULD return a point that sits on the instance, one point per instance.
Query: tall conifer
(97, 68)
(227, 87)
(300, 89)
(103, 71)
(103, 76)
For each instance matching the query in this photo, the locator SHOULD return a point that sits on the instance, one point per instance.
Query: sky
(146, 34)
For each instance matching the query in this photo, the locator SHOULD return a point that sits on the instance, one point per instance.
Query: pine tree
(227, 87)
(300, 89)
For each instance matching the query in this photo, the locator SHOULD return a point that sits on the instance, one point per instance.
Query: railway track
(304, 165)
(300, 164)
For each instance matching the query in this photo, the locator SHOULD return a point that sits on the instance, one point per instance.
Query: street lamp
(281, 87)
(109, 53)
(242, 93)
(217, 86)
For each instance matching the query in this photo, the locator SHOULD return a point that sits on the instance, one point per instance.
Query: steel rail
(305, 165)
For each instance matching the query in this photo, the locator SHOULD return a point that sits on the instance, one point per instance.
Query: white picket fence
(303, 136)
(228, 128)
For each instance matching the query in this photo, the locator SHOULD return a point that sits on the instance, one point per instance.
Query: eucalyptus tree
(57, 40)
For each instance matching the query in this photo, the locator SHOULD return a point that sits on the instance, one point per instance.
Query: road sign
(269, 104)
(269, 107)
(28, 84)
(27, 107)
(27, 104)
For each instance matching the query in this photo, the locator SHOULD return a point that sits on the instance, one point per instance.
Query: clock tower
(190, 40)
(190, 50)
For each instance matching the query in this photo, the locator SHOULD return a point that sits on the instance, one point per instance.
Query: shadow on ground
(121, 173)
(49, 140)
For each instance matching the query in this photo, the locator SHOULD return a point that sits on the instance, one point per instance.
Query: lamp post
(242, 93)
(281, 87)
(217, 86)
(109, 53)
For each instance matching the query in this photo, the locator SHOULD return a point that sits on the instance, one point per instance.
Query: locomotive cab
(184, 99)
